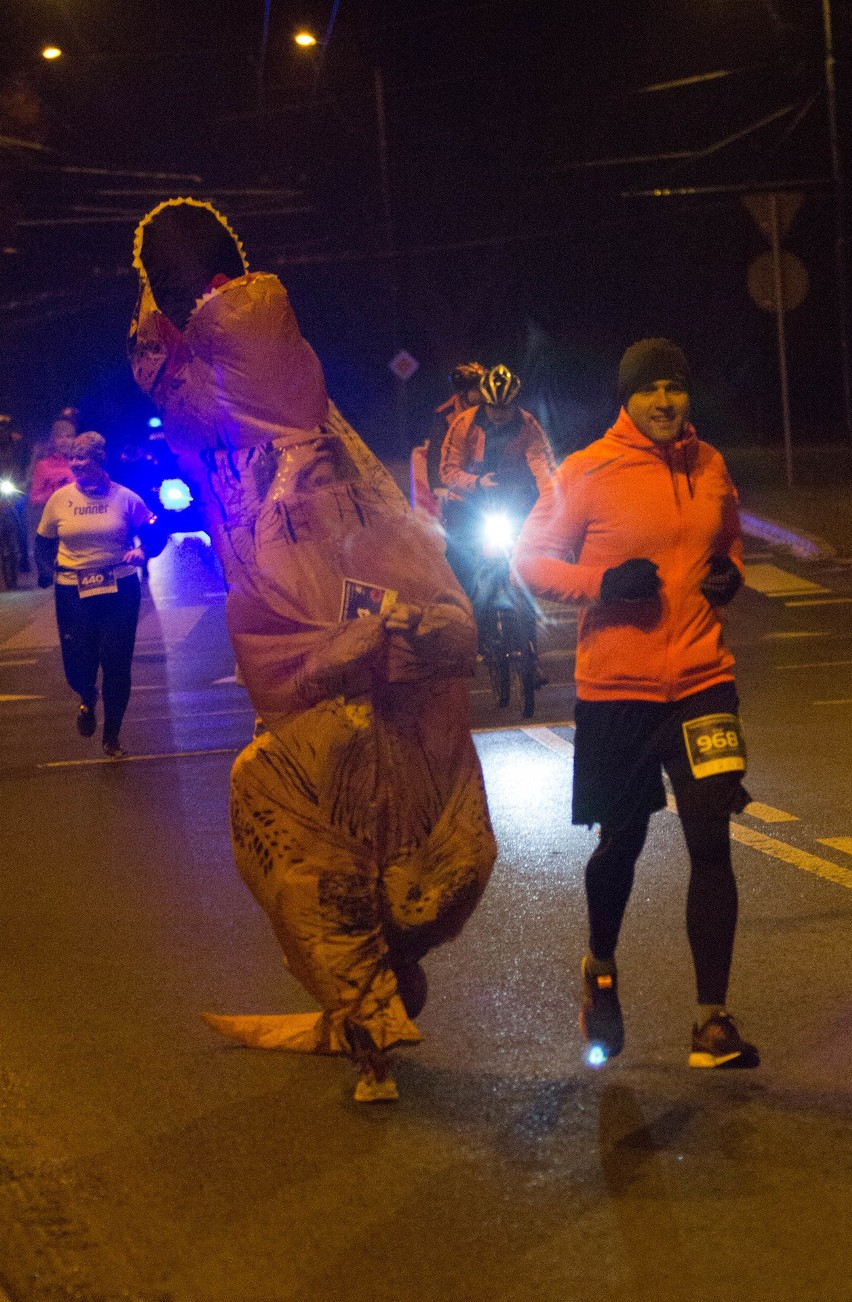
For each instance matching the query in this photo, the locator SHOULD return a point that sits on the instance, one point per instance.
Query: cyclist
(494, 454)
(426, 491)
(465, 380)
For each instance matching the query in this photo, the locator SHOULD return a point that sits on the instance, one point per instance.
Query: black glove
(635, 580)
(723, 581)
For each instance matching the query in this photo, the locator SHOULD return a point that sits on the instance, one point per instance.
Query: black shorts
(622, 747)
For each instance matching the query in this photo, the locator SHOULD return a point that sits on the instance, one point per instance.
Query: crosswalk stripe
(552, 740)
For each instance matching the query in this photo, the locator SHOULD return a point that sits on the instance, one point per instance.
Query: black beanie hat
(650, 360)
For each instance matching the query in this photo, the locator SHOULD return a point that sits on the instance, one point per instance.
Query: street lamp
(306, 40)
(51, 52)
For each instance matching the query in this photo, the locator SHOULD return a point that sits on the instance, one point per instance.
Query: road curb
(806, 546)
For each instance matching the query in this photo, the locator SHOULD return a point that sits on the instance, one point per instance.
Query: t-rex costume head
(297, 504)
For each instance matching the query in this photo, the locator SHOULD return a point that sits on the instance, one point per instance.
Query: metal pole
(381, 123)
(782, 339)
(839, 183)
(261, 62)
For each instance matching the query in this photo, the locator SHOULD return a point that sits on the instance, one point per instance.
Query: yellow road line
(772, 637)
(817, 664)
(843, 843)
(767, 814)
(822, 601)
(809, 863)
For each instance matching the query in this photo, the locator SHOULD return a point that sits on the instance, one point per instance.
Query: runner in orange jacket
(641, 531)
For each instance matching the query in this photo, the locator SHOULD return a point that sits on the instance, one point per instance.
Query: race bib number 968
(714, 744)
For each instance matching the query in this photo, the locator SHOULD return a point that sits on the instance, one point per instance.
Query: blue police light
(154, 422)
(595, 1055)
(175, 494)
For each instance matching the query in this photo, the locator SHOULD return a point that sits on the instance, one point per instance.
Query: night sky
(516, 224)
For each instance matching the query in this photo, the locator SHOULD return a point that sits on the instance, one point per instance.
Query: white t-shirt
(92, 529)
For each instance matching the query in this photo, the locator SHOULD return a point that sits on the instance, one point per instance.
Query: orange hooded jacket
(626, 496)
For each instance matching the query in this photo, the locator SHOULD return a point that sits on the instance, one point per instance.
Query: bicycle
(505, 619)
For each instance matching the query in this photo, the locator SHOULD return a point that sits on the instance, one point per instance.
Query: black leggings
(711, 902)
(99, 632)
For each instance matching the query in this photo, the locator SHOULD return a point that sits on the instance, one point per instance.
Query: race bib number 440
(714, 744)
(96, 581)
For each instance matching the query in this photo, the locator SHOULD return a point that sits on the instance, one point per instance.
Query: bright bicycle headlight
(7, 488)
(498, 531)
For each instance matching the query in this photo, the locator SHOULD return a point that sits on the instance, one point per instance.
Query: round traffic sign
(794, 281)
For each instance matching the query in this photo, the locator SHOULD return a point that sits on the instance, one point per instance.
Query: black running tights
(711, 902)
(99, 632)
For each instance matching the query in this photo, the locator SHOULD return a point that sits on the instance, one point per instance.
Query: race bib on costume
(97, 581)
(361, 599)
(714, 744)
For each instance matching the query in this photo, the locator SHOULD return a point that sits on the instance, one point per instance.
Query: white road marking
(38, 635)
(16, 664)
(843, 843)
(843, 700)
(771, 637)
(15, 697)
(170, 624)
(194, 714)
(545, 737)
(138, 759)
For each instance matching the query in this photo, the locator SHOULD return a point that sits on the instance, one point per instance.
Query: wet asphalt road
(142, 1158)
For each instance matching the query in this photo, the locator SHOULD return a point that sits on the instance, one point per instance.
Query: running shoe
(112, 750)
(86, 721)
(600, 1016)
(372, 1090)
(718, 1043)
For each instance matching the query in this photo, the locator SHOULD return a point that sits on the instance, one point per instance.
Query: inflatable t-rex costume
(359, 817)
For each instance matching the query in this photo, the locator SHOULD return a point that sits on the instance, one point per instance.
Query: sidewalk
(814, 516)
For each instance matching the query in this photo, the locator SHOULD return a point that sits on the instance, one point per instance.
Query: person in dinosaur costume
(358, 814)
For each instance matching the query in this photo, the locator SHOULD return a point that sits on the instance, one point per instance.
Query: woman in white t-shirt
(87, 543)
